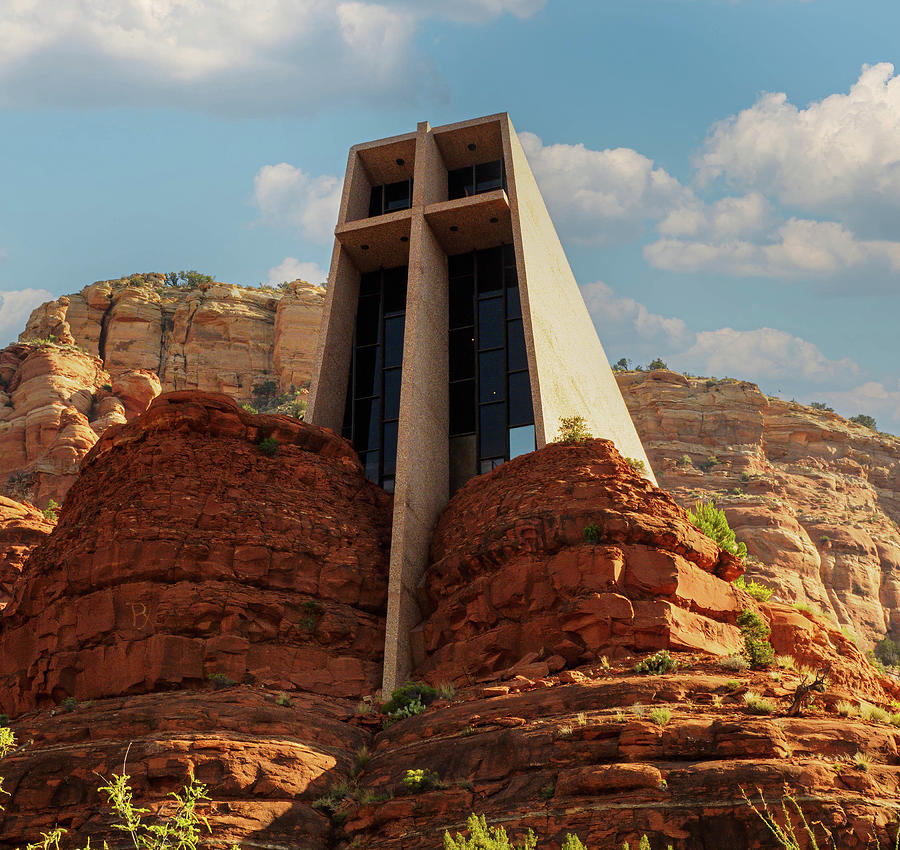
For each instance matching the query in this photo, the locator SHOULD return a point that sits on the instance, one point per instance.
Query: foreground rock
(816, 498)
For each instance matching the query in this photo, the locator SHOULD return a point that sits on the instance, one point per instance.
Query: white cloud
(288, 197)
(841, 151)
(238, 55)
(873, 399)
(798, 248)
(727, 217)
(595, 195)
(15, 308)
(290, 268)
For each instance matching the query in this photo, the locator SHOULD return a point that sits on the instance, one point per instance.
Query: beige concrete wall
(569, 370)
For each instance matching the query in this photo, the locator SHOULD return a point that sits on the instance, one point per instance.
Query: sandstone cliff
(816, 498)
(97, 358)
(221, 609)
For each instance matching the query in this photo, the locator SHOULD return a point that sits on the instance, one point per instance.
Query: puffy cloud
(290, 268)
(596, 195)
(15, 308)
(727, 217)
(874, 399)
(289, 197)
(235, 55)
(798, 248)
(841, 151)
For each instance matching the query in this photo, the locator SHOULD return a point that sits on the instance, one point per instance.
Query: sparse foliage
(657, 363)
(657, 664)
(759, 591)
(268, 446)
(713, 523)
(865, 421)
(755, 631)
(819, 405)
(573, 429)
(593, 533)
(51, 512)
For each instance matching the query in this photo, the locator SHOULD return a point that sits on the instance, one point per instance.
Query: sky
(724, 174)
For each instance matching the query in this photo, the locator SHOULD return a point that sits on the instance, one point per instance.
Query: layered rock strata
(816, 498)
(21, 529)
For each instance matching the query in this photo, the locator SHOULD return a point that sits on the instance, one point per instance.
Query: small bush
(593, 533)
(283, 700)
(660, 716)
(657, 363)
(845, 708)
(732, 684)
(865, 421)
(446, 690)
(564, 731)
(220, 680)
(785, 662)
(408, 693)
(757, 648)
(759, 591)
(636, 464)
(69, 704)
(734, 663)
(572, 429)
(818, 405)
(757, 704)
(268, 446)
(657, 664)
(51, 512)
(360, 761)
(861, 761)
(712, 522)
(249, 407)
(867, 711)
(685, 461)
(419, 781)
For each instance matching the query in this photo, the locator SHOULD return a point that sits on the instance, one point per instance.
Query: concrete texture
(569, 371)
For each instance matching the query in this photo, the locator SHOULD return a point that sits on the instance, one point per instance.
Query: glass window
(367, 417)
(513, 304)
(489, 175)
(460, 265)
(516, 356)
(368, 371)
(370, 284)
(376, 201)
(370, 463)
(462, 301)
(387, 484)
(521, 411)
(489, 271)
(490, 463)
(492, 422)
(397, 195)
(394, 290)
(460, 183)
(462, 354)
(509, 255)
(521, 440)
(390, 447)
(393, 341)
(392, 393)
(463, 460)
(462, 408)
(368, 317)
(491, 376)
(490, 323)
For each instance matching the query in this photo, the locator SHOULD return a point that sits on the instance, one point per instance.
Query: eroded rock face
(513, 573)
(22, 527)
(815, 498)
(185, 552)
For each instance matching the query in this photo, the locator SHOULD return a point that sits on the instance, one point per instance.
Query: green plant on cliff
(7, 742)
(572, 429)
(268, 446)
(755, 631)
(593, 533)
(657, 664)
(51, 512)
(759, 591)
(712, 522)
(408, 693)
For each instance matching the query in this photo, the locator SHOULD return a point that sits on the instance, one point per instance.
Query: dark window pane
(367, 320)
(370, 283)
(491, 377)
(390, 447)
(366, 422)
(462, 354)
(509, 255)
(375, 200)
(515, 346)
(493, 430)
(459, 183)
(520, 409)
(370, 462)
(490, 323)
(462, 408)
(368, 371)
(521, 440)
(513, 304)
(397, 196)
(348, 406)
(463, 461)
(462, 301)
(490, 463)
(489, 175)
(392, 393)
(489, 271)
(460, 265)
(387, 484)
(393, 341)
(395, 290)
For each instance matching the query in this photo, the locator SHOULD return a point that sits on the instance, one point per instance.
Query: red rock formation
(22, 527)
(816, 498)
(184, 552)
(513, 573)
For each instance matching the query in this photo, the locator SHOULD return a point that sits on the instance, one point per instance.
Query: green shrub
(69, 704)
(419, 781)
(408, 693)
(734, 663)
(657, 664)
(593, 533)
(268, 446)
(636, 464)
(283, 700)
(623, 364)
(818, 405)
(188, 279)
(759, 591)
(685, 461)
(249, 407)
(313, 614)
(867, 711)
(757, 648)
(757, 704)
(660, 716)
(865, 421)
(51, 512)
(887, 651)
(712, 522)
(657, 363)
(220, 680)
(446, 690)
(572, 429)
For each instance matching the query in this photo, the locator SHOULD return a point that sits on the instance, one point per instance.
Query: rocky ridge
(816, 498)
(169, 609)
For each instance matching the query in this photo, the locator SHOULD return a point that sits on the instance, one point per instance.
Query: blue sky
(725, 176)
